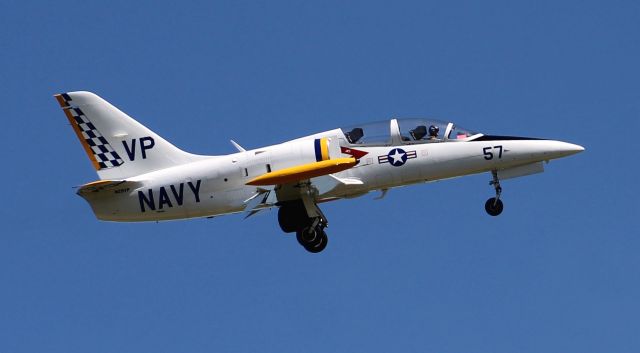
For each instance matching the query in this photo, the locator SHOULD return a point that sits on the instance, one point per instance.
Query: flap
(327, 183)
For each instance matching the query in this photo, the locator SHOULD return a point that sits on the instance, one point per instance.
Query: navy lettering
(196, 190)
(148, 201)
(179, 196)
(163, 198)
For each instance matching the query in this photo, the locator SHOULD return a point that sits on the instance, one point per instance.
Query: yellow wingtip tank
(304, 171)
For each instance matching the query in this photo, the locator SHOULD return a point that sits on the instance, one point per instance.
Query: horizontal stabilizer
(304, 171)
(102, 185)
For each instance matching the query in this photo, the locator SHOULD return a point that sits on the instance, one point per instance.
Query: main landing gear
(494, 205)
(313, 238)
(293, 217)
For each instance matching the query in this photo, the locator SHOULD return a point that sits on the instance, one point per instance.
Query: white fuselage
(217, 185)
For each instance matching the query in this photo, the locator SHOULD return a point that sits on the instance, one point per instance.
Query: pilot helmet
(433, 130)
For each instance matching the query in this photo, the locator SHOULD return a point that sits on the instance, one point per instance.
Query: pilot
(433, 133)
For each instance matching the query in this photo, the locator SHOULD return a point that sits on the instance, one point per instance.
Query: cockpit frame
(406, 131)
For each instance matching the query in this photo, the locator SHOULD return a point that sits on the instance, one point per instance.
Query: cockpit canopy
(405, 131)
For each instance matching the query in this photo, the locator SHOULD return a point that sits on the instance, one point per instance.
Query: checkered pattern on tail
(105, 156)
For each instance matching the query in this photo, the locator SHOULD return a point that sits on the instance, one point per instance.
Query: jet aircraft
(142, 177)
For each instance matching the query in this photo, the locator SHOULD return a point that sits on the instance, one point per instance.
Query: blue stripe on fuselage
(316, 145)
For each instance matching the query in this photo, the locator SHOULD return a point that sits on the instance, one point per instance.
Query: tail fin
(118, 146)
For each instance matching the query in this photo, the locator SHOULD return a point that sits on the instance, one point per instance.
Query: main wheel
(309, 236)
(314, 240)
(292, 216)
(493, 206)
(320, 244)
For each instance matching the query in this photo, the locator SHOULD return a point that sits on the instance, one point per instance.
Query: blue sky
(424, 269)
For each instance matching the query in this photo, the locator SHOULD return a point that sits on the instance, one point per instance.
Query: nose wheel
(494, 205)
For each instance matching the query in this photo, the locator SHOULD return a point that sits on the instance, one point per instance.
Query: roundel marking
(397, 157)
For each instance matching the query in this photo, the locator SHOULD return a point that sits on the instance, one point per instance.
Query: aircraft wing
(304, 171)
(289, 183)
(303, 181)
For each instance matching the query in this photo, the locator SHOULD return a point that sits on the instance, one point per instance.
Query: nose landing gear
(494, 205)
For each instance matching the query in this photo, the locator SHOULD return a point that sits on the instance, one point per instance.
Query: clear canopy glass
(407, 131)
(376, 133)
(416, 130)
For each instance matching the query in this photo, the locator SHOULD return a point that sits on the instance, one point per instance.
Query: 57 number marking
(488, 152)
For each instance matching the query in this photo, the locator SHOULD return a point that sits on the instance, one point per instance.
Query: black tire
(319, 245)
(292, 217)
(287, 223)
(493, 207)
(308, 236)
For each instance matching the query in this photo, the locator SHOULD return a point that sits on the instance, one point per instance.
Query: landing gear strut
(494, 205)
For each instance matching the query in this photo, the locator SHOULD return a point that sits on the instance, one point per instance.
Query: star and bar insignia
(397, 157)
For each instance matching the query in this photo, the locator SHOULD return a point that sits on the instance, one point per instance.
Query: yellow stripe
(83, 142)
(304, 171)
(324, 148)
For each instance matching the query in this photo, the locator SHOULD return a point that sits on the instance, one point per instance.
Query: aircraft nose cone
(571, 148)
(560, 149)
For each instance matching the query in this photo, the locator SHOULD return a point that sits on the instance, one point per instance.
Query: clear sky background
(423, 270)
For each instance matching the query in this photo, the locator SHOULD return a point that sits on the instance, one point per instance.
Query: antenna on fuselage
(237, 146)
